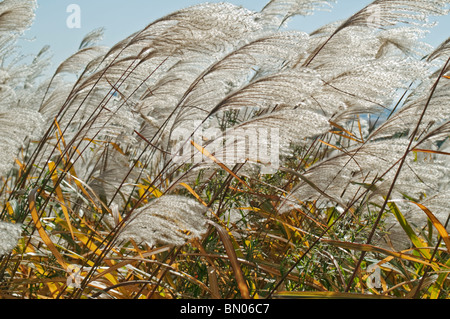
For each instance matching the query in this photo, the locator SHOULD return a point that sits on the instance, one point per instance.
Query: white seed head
(170, 219)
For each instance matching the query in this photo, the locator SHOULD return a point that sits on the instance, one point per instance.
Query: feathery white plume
(9, 235)
(170, 219)
(285, 9)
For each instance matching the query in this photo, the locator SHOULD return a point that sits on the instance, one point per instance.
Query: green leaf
(417, 242)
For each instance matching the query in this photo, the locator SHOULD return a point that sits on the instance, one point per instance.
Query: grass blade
(59, 194)
(215, 160)
(419, 243)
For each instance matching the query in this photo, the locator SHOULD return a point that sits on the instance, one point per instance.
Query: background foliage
(97, 203)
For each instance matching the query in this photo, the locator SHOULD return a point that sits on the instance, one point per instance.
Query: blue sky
(121, 18)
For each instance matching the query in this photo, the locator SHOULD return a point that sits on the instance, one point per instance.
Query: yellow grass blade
(98, 142)
(341, 128)
(112, 279)
(360, 129)
(333, 146)
(389, 258)
(419, 243)
(60, 137)
(131, 260)
(54, 289)
(419, 150)
(189, 188)
(116, 147)
(437, 288)
(22, 167)
(41, 230)
(82, 185)
(306, 180)
(10, 209)
(59, 194)
(88, 243)
(375, 249)
(279, 220)
(346, 136)
(324, 295)
(60, 133)
(149, 189)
